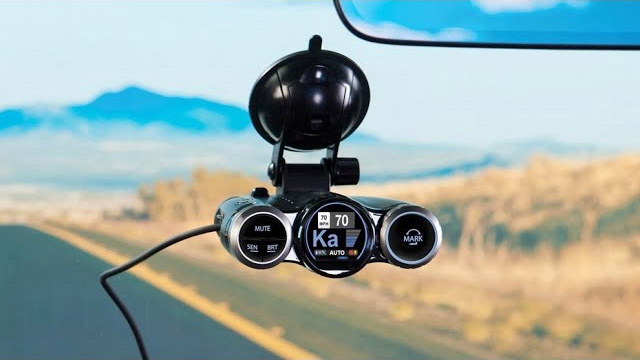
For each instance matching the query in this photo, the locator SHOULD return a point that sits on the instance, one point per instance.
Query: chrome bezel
(234, 235)
(305, 253)
(391, 217)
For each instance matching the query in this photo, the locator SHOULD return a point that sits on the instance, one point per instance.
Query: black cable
(135, 261)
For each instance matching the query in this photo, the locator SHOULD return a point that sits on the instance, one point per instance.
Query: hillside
(548, 203)
(180, 201)
(549, 254)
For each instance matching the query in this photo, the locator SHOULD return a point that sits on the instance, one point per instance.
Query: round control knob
(260, 236)
(410, 236)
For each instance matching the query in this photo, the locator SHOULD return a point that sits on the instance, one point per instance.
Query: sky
(57, 53)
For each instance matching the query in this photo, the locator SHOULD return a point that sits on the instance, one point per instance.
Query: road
(52, 307)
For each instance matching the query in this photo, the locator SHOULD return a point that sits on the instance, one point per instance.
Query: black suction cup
(309, 100)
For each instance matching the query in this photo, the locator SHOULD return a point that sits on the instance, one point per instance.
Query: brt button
(272, 248)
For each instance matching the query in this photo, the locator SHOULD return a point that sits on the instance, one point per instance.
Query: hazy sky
(61, 53)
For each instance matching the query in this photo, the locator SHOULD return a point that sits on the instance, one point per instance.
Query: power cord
(135, 261)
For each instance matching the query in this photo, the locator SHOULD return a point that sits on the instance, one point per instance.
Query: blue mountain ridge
(17, 119)
(144, 107)
(464, 167)
(134, 105)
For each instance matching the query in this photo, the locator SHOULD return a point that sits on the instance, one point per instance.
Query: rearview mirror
(550, 24)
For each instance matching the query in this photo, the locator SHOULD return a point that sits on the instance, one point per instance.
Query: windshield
(123, 123)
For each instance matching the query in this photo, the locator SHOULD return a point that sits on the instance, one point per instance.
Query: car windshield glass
(124, 123)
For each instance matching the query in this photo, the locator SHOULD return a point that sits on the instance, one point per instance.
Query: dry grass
(584, 296)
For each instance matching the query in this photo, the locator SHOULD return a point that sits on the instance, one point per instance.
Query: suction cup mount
(310, 100)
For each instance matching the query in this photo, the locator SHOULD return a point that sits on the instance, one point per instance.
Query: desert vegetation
(178, 200)
(543, 257)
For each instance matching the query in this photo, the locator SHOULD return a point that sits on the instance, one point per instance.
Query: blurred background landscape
(541, 239)
(539, 200)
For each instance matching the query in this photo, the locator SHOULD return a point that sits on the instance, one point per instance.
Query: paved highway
(52, 307)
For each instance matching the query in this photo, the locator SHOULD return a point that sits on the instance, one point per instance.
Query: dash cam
(312, 100)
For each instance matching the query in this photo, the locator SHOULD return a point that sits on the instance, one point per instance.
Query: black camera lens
(260, 236)
(410, 236)
(335, 237)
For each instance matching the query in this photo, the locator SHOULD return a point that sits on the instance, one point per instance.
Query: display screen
(336, 233)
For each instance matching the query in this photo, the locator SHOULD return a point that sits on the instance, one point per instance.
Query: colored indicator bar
(352, 237)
